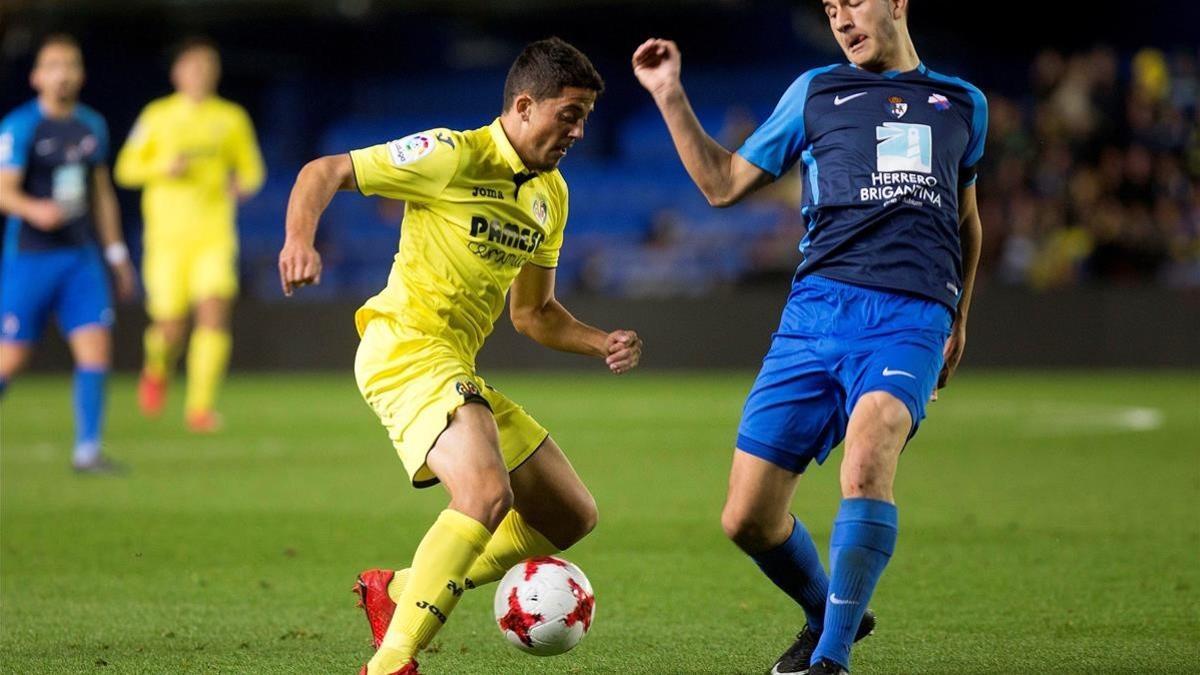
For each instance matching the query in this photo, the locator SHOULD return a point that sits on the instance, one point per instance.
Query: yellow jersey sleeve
(140, 159)
(415, 168)
(244, 155)
(547, 254)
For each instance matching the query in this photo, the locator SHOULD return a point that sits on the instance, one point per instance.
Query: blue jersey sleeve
(979, 125)
(16, 135)
(95, 122)
(776, 145)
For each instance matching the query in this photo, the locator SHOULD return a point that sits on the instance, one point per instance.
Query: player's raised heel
(796, 659)
(152, 395)
(372, 590)
(204, 422)
(409, 668)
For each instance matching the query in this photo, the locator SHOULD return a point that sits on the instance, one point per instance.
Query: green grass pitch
(1049, 523)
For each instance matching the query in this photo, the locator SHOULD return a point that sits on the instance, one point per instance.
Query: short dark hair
(193, 42)
(60, 40)
(546, 67)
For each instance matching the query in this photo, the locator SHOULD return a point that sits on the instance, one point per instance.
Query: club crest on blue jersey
(939, 102)
(897, 107)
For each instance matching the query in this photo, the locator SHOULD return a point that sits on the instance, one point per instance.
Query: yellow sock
(208, 357)
(513, 542)
(435, 582)
(159, 357)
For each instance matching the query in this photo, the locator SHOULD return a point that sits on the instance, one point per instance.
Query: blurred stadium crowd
(1090, 175)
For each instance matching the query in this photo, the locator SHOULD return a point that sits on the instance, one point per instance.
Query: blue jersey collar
(892, 74)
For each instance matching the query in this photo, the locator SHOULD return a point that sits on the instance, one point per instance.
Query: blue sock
(3, 386)
(864, 536)
(796, 569)
(89, 412)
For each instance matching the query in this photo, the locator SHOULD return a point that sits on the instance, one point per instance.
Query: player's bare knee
(12, 359)
(495, 504)
(750, 532)
(584, 520)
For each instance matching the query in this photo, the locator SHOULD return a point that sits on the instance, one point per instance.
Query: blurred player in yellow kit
(485, 211)
(195, 156)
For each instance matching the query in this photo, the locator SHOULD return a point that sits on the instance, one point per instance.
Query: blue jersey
(56, 158)
(884, 158)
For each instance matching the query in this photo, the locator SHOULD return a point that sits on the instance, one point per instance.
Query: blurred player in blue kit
(57, 192)
(877, 315)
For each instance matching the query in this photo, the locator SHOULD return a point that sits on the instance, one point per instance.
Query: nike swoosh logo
(777, 671)
(888, 372)
(838, 100)
(834, 599)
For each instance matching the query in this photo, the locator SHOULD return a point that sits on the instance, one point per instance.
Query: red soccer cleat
(204, 422)
(372, 589)
(152, 394)
(409, 668)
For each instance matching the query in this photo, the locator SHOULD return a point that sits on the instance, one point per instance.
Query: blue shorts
(836, 342)
(70, 283)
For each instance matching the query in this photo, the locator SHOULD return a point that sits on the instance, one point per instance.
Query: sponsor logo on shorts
(11, 325)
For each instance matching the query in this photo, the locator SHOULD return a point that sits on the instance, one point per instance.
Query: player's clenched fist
(656, 64)
(299, 265)
(624, 349)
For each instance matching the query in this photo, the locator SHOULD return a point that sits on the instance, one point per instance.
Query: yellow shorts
(176, 277)
(415, 383)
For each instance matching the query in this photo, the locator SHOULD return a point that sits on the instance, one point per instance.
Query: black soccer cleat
(824, 667)
(795, 660)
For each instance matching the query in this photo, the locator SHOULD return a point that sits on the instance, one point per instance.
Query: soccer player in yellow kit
(195, 156)
(485, 211)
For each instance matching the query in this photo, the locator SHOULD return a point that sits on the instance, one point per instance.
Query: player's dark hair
(59, 40)
(546, 67)
(191, 43)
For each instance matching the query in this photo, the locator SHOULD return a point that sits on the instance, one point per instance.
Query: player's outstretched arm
(723, 176)
(971, 235)
(537, 314)
(318, 181)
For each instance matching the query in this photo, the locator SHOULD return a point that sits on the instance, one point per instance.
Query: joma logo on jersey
(506, 234)
(493, 193)
(904, 147)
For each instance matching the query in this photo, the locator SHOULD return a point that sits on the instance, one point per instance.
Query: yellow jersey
(217, 138)
(474, 216)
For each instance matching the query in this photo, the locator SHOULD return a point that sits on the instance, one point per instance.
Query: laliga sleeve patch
(409, 149)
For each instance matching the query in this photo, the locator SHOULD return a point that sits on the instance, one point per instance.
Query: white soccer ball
(544, 606)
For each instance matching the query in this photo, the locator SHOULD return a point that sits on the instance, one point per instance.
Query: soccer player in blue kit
(877, 315)
(56, 189)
